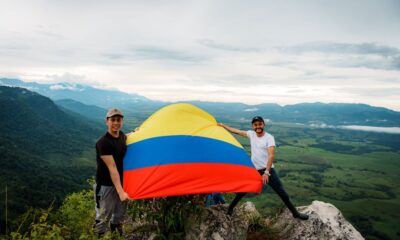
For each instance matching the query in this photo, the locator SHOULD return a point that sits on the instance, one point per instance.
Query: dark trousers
(275, 183)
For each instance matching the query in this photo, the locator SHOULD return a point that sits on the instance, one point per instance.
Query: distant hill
(342, 114)
(89, 111)
(306, 113)
(78, 92)
(140, 107)
(44, 151)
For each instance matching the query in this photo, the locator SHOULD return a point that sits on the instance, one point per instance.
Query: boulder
(216, 224)
(325, 222)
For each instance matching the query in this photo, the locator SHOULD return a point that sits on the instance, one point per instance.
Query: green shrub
(166, 217)
(41, 230)
(77, 215)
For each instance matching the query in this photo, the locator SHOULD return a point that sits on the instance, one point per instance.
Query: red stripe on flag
(190, 178)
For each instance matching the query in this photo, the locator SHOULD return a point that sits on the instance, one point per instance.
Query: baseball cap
(114, 112)
(257, 119)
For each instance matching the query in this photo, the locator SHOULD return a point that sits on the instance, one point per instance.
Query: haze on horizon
(230, 51)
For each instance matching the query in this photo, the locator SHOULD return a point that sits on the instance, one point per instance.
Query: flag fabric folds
(181, 150)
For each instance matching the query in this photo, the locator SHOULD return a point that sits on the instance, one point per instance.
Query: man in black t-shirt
(111, 199)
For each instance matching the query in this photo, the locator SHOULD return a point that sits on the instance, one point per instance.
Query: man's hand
(265, 179)
(133, 131)
(233, 130)
(221, 125)
(123, 196)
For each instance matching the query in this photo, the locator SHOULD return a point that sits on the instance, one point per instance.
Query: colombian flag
(180, 150)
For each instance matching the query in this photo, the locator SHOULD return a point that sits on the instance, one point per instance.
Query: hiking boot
(116, 228)
(301, 216)
(230, 211)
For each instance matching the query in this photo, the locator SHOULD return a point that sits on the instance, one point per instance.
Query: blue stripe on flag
(183, 149)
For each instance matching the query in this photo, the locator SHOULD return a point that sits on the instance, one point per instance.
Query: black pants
(275, 183)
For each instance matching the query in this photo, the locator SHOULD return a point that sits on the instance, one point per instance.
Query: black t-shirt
(109, 145)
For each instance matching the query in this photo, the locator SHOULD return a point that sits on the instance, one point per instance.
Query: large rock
(326, 222)
(215, 224)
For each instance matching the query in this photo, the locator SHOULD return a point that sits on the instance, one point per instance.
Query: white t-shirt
(259, 148)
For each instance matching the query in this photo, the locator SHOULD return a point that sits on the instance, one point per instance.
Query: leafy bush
(77, 215)
(41, 230)
(166, 216)
(73, 220)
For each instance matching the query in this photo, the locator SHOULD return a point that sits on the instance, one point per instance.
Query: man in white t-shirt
(262, 155)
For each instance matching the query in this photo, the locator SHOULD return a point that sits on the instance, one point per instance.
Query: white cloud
(263, 51)
(251, 109)
(65, 87)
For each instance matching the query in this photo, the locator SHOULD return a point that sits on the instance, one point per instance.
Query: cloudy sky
(233, 51)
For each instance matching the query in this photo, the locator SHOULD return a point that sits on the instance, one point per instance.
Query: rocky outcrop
(216, 224)
(325, 222)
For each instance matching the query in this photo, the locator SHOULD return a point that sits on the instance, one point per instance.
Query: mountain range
(93, 102)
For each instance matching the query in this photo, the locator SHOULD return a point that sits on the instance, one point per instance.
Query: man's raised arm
(233, 130)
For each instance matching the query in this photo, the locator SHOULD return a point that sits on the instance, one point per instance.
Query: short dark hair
(257, 119)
